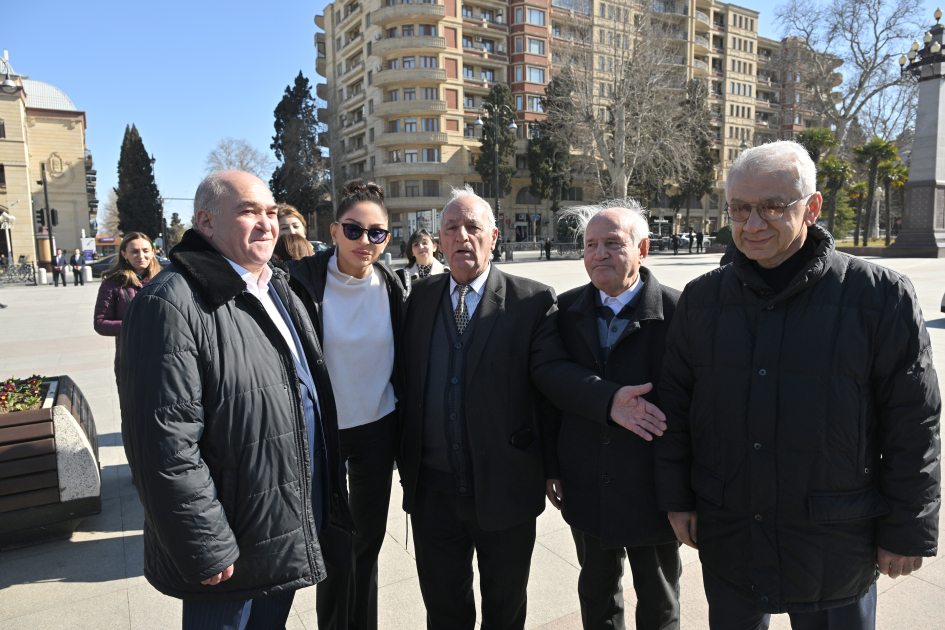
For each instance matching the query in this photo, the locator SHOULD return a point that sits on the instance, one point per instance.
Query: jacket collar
(217, 281)
(810, 274)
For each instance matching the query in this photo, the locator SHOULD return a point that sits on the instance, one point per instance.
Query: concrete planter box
(715, 249)
(49, 468)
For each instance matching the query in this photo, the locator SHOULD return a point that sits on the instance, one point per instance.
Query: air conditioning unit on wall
(478, 39)
(377, 37)
(378, 68)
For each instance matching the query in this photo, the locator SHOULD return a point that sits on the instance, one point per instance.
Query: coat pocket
(707, 484)
(842, 507)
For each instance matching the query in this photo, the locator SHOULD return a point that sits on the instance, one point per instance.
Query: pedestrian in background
(59, 268)
(675, 240)
(78, 265)
(699, 238)
(548, 248)
(802, 456)
(600, 474)
(356, 305)
(227, 416)
(692, 239)
(291, 221)
(423, 256)
(292, 247)
(135, 265)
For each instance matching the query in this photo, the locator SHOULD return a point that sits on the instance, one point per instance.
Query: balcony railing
(396, 169)
(412, 137)
(702, 17)
(417, 41)
(400, 107)
(700, 65)
(702, 41)
(388, 14)
(410, 75)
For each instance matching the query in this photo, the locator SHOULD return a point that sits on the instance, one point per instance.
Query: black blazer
(606, 471)
(516, 356)
(77, 261)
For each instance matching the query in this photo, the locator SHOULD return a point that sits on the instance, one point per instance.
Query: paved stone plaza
(95, 579)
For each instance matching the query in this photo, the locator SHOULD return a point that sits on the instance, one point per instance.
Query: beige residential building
(405, 83)
(40, 125)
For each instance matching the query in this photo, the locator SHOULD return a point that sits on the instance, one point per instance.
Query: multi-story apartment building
(406, 80)
(40, 126)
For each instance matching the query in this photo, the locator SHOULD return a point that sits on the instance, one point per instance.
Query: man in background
(59, 268)
(78, 265)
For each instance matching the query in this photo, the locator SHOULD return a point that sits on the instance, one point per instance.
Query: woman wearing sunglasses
(356, 305)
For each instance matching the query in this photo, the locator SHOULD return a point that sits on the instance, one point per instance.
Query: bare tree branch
(239, 155)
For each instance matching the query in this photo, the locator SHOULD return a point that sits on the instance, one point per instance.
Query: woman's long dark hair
(122, 272)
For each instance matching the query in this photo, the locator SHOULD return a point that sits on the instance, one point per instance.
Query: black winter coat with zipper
(215, 432)
(803, 427)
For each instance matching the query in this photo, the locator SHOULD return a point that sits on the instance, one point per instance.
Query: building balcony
(411, 169)
(409, 107)
(320, 21)
(416, 203)
(357, 39)
(320, 65)
(353, 11)
(321, 91)
(412, 137)
(354, 153)
(353, 98)
(671, 8)
(387, 15)
(702, 44)
(702, 18)
(484, 28)
(352, 126)
(700, 68)
(762, 124)
(409, 76)
(418, 42)
(767, 103)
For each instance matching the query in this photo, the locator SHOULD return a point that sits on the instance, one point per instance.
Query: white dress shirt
(259, 287)
(475, 294)
(616, 304)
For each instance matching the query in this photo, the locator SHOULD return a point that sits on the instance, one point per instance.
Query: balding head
(467, 236)
(236, 212)
(616, 242)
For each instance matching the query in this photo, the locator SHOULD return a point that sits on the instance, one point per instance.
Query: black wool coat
(515, 357)
(803, 427)
(214, 430)
(606, 471)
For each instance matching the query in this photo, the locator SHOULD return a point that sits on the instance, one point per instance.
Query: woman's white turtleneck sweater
(358, 345)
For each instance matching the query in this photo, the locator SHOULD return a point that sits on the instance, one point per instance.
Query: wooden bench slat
(17, 467)
(26, 432)
(27, 449)
(25, 417)
(29, 499)
(27, 483)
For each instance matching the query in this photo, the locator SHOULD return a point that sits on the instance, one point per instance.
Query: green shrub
(724, 235)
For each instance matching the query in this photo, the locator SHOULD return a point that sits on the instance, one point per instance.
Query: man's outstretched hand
(219, 577)
(894, 565)
(630, 411)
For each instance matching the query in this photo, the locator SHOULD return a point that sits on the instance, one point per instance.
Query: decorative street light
(8, 85)
(923, 227)
(496, 114)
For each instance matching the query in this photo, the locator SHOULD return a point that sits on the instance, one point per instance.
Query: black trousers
(77, 277)
(56, 275)
(656, 571)
(262, 613)
(728, 611)
(446, 531)
(347, 598)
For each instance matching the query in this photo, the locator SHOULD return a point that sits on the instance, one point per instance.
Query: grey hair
(466, 191)
(209, 192)
(639, 226)
(777, 156)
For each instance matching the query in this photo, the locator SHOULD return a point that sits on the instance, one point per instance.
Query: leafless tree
(108, 215)
(238, 154)
(892, 112)
(862, 39)
(628, 81)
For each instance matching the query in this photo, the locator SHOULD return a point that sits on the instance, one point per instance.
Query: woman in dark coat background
(134, 266)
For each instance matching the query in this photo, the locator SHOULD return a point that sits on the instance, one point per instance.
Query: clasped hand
(632, 412)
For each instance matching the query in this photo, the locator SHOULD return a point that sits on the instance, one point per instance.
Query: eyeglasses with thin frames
(353, 232)
(767, 210)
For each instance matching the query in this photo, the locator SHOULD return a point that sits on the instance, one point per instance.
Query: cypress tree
(549, 152)
(138, 201)
(300, 178)
(485, 164)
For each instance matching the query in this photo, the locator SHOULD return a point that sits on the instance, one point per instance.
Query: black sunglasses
(353, 232)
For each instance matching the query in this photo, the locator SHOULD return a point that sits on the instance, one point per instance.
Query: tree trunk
(888, 224)
(870, 199)
(856, 229)
(688, 210)
(832, 208)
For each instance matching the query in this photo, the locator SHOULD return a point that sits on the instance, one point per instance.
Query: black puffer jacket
(215, 433)
(803, 427)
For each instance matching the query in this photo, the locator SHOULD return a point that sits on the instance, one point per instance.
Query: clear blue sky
(186, 73)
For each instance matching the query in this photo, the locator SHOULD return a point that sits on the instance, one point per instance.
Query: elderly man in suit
(476, 344)
(59, 268)
(77, 260)
(601, 476)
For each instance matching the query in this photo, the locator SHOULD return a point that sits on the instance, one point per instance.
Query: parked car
(319, 246)
(101, 265)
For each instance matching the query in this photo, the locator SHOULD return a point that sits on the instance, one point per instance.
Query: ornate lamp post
(923, 217)
(496, 113)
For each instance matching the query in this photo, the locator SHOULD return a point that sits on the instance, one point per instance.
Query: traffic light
(54, 217)
(40, 218)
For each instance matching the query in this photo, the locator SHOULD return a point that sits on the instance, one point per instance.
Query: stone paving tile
(914, 604)
(552, 593)
(932, 572)
(95, 613)
(151, 610)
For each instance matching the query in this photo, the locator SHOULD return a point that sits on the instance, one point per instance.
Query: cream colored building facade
(40, 125)
(405, 82)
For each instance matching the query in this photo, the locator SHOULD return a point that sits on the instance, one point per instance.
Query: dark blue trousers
(262, 613)
(728, 611)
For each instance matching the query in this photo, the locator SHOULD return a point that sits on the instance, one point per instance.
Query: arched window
(525, 196)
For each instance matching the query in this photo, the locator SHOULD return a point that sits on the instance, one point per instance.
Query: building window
(3, 130)
(428, 30)
(392, 32)
(534, 103)
(410, 125)
(431, 155)
(469, 72)
(469, 102)
(410, 94)
(394, 156)
(393, 64)
(430, 94)
(431, 188)
(407, 30)
(393, 126)
(482, 190)
(469, 130)
(603, 9)
(536, 17)
(410, 62)
(518, 73)
(525, 196)
(488, 46)
(487, 15)
(518, 15)
(488, 74)
(521, 162)
(536, 46)
(556, 29)
(3, 177)
(392, 96)
(412, 188)
(468, 11)
(431, 124)
(518, 44)
(428, 62)
(536, 75)
(467, 41)
(370, 106)
(411, 156)
(518, 103)
(393, 189)
(575, 193)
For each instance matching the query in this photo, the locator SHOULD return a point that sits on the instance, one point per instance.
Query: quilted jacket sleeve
(106, 320)
(673, 450)
(908, 406)
(161, 389)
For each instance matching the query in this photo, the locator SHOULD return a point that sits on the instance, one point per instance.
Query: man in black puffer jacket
(803, 414)
(228, 419)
